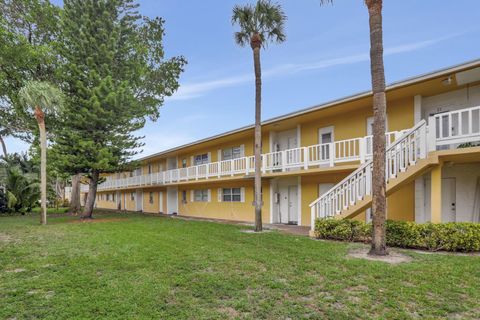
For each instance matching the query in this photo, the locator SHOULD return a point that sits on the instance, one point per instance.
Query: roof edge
(389, 87)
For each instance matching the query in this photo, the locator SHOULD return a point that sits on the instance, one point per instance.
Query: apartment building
(316, 162)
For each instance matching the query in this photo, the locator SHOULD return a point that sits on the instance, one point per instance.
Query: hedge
(452, 236)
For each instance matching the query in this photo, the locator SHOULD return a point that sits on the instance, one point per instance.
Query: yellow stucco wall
(354, 124)
(240, 211)
(401, 204)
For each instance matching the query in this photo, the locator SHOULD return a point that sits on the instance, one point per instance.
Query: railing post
(305, 158)
(264, 164)
(219, 166)
(432, 134)
(368, 180)
(362, 149)
(232, 167)
(423, 142)
(312, 217)
(284, 159)
(331, 151)
(247, 165)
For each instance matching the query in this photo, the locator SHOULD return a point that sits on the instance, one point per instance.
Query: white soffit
(468, 76)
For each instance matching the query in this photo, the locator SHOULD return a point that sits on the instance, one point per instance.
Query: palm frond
(265, 18)
(42, 94)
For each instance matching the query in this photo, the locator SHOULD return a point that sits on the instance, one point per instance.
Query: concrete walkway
(284, 228)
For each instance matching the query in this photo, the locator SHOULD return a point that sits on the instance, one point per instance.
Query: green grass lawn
(152, 267)
(60, 210)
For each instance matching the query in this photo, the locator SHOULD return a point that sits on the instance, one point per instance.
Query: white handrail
(402, 153)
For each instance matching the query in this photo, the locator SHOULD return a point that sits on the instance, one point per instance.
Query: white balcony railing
(404, 150)
(400, 154)
(328, 154)
(462, 126)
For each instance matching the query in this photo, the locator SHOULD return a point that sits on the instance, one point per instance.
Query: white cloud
(194, 90)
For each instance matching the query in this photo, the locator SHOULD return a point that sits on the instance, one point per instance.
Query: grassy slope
(150, 267)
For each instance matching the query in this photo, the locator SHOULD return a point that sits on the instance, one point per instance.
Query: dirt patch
(394, 257)
(5, 238)
(255, 232)
(98, 220)
(230, 312)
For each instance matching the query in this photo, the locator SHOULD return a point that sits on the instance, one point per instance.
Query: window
(231, 153)
(200, 195)
(150, 168)
(200, 159)
(113, 197)
(184, 196)
(184, 163)
(132, 196)
(150, 198)
(231, 195)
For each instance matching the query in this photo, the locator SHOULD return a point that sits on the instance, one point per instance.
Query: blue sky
(325, 57)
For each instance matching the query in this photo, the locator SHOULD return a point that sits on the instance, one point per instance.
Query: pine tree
(116, 76)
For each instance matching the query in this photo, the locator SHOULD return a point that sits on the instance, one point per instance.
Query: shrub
(3, 202)
(453, 236)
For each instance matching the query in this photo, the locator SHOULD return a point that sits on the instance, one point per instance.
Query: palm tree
(259, 24)
(379, 246)
(40, 97)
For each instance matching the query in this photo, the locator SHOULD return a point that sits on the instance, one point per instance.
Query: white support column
(420, 200)
(432, 134)
(299, 198)
(331, 149)
(362, 149)
(305, 158)
(417, 108)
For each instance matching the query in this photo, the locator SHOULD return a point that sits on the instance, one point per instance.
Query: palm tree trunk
(40, 116)
(379, 246)
(4, 147)
(258, 138)
(92, 194)
(75, 196)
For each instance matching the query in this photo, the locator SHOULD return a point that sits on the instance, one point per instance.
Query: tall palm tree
(41, 97)
(259, 24)
(379, 246)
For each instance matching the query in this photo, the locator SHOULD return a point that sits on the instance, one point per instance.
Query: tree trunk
(258, 139)
(4, 147)
(379, 246)
(40, 116)
(75, 196)
(92, 194)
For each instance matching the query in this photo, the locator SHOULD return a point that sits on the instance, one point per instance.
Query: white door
(160, 202)
(449, 213)
(172, 200)
(292, 204)
(139, 200)
(325, 136)
(119, 200)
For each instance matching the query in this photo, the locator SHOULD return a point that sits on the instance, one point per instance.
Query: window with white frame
(200, 195)
(231, 153)
(132, 196)
(150, 168)
(231, 195)
(200, 159)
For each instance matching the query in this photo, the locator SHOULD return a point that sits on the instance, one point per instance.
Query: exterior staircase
(406, 159)
(409, 157)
